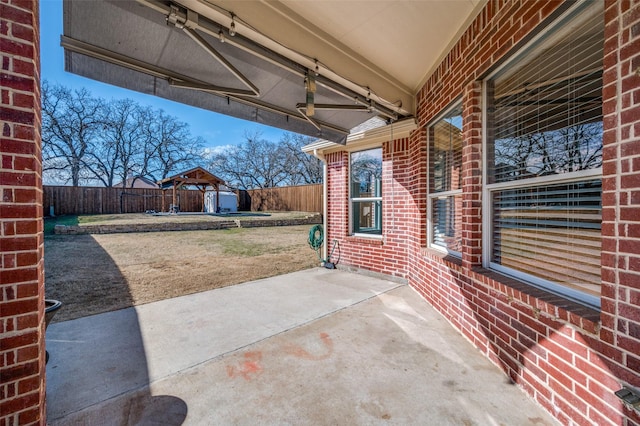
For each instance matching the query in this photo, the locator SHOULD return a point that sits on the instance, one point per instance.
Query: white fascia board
(365, 139)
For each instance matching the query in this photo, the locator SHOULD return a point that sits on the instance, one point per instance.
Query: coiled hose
(315, 240)
(316, 237)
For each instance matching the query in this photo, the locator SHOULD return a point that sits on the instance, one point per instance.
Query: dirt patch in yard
(92, 274)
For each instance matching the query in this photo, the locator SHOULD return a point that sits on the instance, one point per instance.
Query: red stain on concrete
(300, 352)
(248, 368)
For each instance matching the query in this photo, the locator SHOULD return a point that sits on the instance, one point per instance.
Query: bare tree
(86, 139)
(366, 171)
(582, 147)
(562, 150)
(71, 122)
(259, 163)
(303, 168)
(148, 141)
(116, 154)
(169, 146)
(256, 163)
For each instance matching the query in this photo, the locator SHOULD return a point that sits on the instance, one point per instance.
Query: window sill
(540, 301)
(450, 259)
(366, 238)
(557, 306)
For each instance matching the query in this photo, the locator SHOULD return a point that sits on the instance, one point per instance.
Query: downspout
(325, 194)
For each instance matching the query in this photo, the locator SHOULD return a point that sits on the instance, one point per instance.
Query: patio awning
(315, 68)
(171, 52)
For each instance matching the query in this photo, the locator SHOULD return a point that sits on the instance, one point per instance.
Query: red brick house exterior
(569, 357)
(22, 355)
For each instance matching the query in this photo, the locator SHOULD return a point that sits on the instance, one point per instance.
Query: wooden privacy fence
(303, 198)
(102, 200)
(67, 200)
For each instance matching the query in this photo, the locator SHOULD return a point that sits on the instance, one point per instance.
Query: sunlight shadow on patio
(95, 359)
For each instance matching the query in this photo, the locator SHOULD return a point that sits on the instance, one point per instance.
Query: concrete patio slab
(312, 347)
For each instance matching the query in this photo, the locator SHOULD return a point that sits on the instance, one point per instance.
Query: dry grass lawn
(91, 274)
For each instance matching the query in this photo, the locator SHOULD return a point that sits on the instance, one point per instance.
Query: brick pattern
(389, 254)
(621, 189)
(338, 201)
(567, 357)
(22, 364)
(417, 169)
(472, 176)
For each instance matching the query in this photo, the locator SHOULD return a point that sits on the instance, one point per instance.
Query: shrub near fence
(100, 200)
(67, 200)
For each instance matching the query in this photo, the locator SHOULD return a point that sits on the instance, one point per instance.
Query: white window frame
(353, 200)
(488, 189)
(443, 194)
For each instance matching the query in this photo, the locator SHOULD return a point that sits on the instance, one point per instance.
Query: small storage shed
(198, 177)
(228, 202)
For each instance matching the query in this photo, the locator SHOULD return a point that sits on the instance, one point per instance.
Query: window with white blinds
(445, 182)
(544, 159)
(551, 232)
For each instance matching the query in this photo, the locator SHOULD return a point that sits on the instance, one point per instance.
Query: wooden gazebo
(198, 177)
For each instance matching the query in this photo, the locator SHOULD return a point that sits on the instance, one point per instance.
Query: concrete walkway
(317, 347)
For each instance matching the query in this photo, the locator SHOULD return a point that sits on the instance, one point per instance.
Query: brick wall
(22, 364)
(569, 358)
(620, 333)
(389, 254)
(338, 199)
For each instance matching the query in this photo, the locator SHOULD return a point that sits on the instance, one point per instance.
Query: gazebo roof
(196, 176)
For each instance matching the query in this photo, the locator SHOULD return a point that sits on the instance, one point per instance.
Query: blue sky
(216, 129)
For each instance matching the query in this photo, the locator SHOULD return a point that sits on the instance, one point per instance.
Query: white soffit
(405, 39)
(365, 138)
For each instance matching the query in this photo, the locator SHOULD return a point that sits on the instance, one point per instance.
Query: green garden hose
(316, 238)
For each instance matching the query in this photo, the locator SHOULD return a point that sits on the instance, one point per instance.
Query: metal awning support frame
(303, 108)
(180, 80)
(191, 19)
(188, 26)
